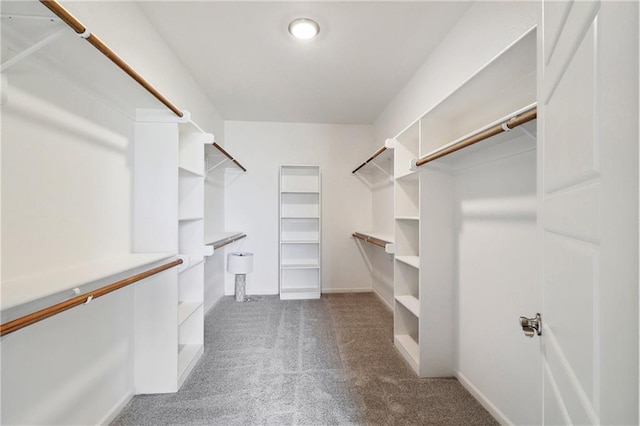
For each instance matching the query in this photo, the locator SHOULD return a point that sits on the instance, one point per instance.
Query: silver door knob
(531, 326)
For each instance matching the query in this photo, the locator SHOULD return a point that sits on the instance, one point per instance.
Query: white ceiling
(250, 67)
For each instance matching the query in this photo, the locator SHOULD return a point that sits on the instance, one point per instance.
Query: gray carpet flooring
(313, 362)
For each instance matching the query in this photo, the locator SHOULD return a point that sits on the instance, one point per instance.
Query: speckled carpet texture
(309, 362)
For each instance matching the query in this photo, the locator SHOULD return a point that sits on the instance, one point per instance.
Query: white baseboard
(116, 409)
(347, 290)
(383, 300)
(483, 400)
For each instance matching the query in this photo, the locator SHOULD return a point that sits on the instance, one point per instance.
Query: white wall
(384, 223)
(252, 197)
(214, 267)
(67, 200)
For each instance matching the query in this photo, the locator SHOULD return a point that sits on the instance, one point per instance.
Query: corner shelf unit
(300, 247)
(425, 199)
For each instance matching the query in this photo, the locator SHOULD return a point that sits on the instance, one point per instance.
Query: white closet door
(588, 166)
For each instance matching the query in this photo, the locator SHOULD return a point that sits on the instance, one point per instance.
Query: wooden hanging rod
(226, 154)
(80, 29)
(17, 324)
(375, 154)
(512, 123)
(368, 239)
(229, 241)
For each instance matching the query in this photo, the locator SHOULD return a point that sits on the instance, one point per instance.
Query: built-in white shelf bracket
(218, 164)
(32, 49)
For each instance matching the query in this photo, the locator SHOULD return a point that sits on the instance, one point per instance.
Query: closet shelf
(190, 218)
(299, 192)
(503, 125)
(79, 28)
(413, 261)
(387, 238)
(299, 293)
(300, 242)
(409, 177)
(407, 218)
(411, 303)
(28, 289)
(300, 217)
(185, 309)
(299, 265)
(223, 237)
(186, 172)
(379, 240)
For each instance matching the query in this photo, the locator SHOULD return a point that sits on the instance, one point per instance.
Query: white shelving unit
(406, 286)
(300, 248)
(169, 183)
(426, 233)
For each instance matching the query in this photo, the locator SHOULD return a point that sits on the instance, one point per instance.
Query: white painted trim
(387, 304)
(214, 304)
(116, 409)
(483, 400)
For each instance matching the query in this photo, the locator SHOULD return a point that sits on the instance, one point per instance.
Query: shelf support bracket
(31, 49)
(219, 163)
(383, 170)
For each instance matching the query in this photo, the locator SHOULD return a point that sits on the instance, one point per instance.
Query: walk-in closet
(319, 213)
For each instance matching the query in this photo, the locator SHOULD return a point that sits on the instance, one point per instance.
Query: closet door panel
(589, 213)
(575, 212)
(570, 121)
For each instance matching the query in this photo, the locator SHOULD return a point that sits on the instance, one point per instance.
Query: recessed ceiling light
(304, 28)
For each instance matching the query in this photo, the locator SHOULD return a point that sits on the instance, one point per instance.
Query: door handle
(531, 326)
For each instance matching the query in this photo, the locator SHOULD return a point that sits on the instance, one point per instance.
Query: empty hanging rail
(518, 120)
(18, 323)
(229, 241)
(387, 245)
(226, 154)
(375, 154)
(83, 32)
(372, 240)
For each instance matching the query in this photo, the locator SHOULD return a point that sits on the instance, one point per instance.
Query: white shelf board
(299, 217)
(27, 289)
(299, 266)
(409, 176)
(300, 242)
(190, 218)
(387, 238)
(300, 293)
(407, 218)
(185, 309)
(220, 237)
(188, 356)
(413, 261)
(409, 349)
(299, 192)
(411, 303)
(186, 172)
